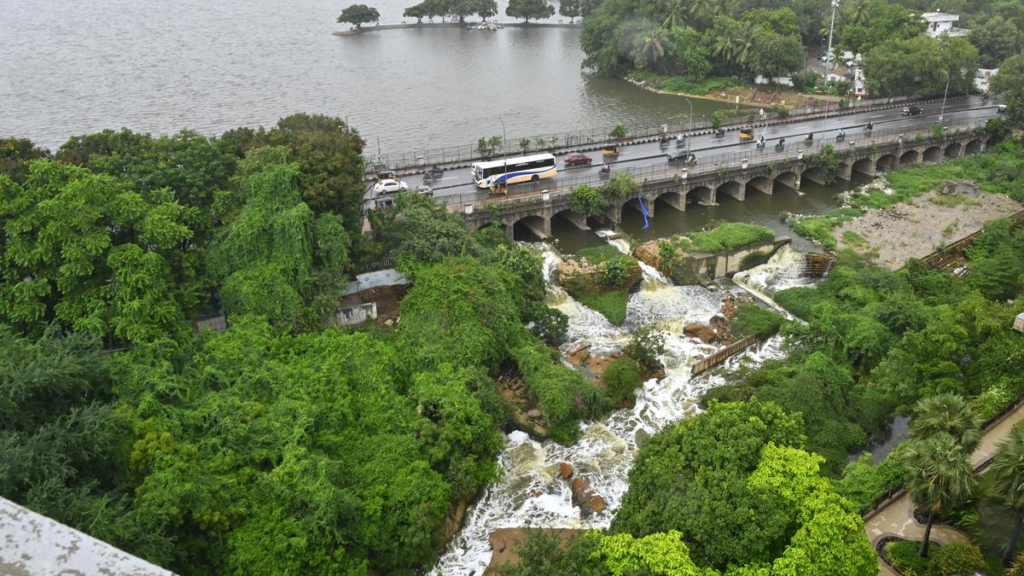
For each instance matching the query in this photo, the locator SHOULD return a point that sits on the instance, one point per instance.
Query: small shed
(1018, 322)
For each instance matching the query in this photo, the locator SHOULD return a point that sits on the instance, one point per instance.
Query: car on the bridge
(578, 160)
(390, 186)
(911, 110)
(681, 154)
(424, 190)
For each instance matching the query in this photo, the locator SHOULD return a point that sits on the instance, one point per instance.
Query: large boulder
(649, 253)
(703, 332)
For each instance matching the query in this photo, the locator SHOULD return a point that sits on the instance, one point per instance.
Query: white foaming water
(653, 279)
(604, 452)
(781, 271)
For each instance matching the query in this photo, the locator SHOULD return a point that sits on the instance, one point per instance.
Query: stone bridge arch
(885, 162)
(909, 157)
(788, 178)
(864, 166)
(529, 227)
(672, 198)
(762, 184)
(700, 195)
(973, 147)
(733, 189)
(815, 174)
(952, 150)
(932, 154)
(574, 218)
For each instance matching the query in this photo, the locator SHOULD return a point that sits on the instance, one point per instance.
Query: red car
(578, 160)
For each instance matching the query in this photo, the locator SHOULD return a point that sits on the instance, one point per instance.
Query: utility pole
(828, 53)
(690, 128)
(942, 112)
(504, 150)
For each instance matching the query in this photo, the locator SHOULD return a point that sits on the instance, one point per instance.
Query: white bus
(514, 170)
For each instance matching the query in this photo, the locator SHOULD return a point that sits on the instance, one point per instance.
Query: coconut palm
(947, 413)
(676, 15)
(938, 475)
(704, 9)
(860, 13)
(1007, 474)
(724, 49)
(652, 48)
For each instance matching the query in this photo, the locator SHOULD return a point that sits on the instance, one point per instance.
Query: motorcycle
(781, 145)
(720, 133)
(760, 143)
(869, 127)
(605, 171)
(841, 136)
(810, 137)
(434, 173)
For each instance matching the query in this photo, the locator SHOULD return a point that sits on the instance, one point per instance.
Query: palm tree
(676, 15)
(704, 9)
(1008, 483)
(744, 42)
(653, 48)
(939, 475)
(724, 48)
(947, 413)
(860, 14)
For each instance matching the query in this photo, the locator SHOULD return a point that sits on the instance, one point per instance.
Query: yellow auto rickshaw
(611, 150)
(386, 175)
(746, 133)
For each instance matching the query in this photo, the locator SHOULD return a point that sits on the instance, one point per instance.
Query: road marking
(878, 116)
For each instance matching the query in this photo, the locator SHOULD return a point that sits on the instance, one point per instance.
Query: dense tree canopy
(359, 14)
(529, 9)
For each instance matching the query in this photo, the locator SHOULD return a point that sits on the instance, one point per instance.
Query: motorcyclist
(842, 134)
(606, 169)
(869, 126)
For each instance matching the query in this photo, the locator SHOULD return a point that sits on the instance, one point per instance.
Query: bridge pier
(673, 199)
(577, 220)
(845, 171)
(613, 214)
(540, 226)
(762, 184)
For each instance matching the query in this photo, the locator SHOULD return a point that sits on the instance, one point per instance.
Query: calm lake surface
(70, 68)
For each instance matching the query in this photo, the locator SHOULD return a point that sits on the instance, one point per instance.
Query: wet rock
(578, 355)
(565, 469)
(596, 503)
(534, 414)
(538, 493)
(453, 521)
(579, 489)
(598, 364)
(703, 332)
(649, 253)
(389, 322)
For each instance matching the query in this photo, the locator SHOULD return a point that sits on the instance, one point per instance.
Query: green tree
(278, 259)
(1009, 83)
(486, 9)
(622, 185)
(702, 11)
(570, 9)
(1007, 472)
(15, 156)
(996, 40)
(529, 9)
(359, 14)
(84, 251)
(460, 9)
(949, 414)
(651, 49)
(586, 200)
(416, 12)
(939, 475)
(774, 55)
(619, 132)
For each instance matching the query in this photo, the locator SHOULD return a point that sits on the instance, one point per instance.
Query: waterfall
(781, 271)
(530, 492)
(653, 279)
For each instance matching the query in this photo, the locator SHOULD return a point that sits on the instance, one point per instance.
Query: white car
(390, 186)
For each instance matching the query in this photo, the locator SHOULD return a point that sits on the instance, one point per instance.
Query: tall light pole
(828, 53)
(690, 128)
(942, 112)
(504, 151)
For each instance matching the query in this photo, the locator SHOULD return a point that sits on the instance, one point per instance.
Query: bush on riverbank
(621, 378)
(756, 321)
(819, 228)
(601, 278)
(685, 84)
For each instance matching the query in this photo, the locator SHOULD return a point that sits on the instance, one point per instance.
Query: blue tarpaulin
(644, 210)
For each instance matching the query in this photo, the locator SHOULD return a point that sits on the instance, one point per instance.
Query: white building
(940, 23)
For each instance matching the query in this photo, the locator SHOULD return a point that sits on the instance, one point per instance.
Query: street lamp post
(942, 112)
(828, 53)
(690, 128)
(504, 150)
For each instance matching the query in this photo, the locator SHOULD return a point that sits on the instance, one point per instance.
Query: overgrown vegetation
(819, 228)
(607, 289)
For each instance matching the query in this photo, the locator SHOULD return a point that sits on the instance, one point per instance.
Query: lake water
(70, 68)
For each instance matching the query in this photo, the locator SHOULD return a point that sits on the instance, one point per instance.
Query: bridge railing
(793, 150)
(585, 138)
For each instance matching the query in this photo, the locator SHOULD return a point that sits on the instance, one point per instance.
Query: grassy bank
(607, 290)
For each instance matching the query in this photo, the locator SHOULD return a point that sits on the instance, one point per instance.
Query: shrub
(854, 239)
(562, 393)
(727, 236)
(586, 200)
(613, 273)
(645, 346)
(755, 320)
(622, 185)
(546, 323)
(903, 555)
(956, 558)
(621, 378)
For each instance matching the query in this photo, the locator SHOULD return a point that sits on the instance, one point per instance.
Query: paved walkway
(896, 518)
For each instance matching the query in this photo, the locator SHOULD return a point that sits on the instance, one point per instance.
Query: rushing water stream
(604, 452)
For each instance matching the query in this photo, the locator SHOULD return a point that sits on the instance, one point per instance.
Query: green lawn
(612, 304)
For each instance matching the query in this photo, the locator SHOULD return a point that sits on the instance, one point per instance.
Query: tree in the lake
(416, 12)
(1007, 472)
(570, 9)
(586, 200)
(950, 414)
(939, 476)
(529, 9)
(359, 14)
(85, 252)
(1009, 83)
